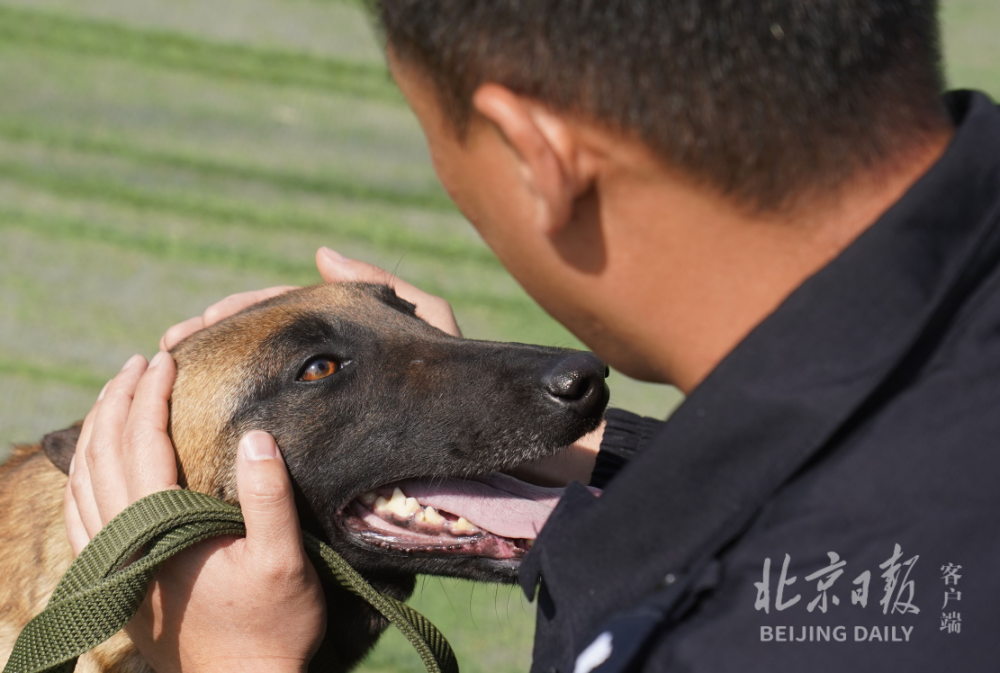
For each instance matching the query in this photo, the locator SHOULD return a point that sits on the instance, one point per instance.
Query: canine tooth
(431, 516)
(463, 526)
(401, 506)
(368, 498)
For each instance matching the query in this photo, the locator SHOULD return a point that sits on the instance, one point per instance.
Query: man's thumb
(267, 500)
(334, 267)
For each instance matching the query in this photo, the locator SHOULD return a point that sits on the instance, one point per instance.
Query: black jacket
(862, 415)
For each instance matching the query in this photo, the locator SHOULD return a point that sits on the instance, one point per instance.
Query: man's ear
(59, 446)
(553, 164)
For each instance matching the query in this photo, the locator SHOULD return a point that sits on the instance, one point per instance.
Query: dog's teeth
(397, 503)
(381, 504)
(368, 498)
(400, 506)
(463, 526)
(431, 516)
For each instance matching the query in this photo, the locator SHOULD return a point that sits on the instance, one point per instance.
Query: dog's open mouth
(494, 517)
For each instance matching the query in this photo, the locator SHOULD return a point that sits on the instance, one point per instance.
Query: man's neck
(691, 275)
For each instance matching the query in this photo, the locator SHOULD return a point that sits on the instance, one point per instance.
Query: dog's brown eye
(318, 369)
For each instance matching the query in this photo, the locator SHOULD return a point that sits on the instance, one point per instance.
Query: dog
(396, 435)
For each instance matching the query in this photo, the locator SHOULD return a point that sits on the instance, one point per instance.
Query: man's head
(659, 176)
(760, 99)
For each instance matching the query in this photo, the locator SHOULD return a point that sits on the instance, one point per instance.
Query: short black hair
(760, 99)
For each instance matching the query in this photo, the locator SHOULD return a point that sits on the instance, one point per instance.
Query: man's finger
(274, 541)
(181, 331)
(335, 268)
(574, 463)
(220, 310)
(103, 451)
(88, 427)
(148, 454)
(80, 490)
(235, 303)
(76, 531)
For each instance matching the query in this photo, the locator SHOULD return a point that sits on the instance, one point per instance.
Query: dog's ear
(60, 445)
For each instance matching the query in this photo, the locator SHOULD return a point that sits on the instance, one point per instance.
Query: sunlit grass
(156, 156)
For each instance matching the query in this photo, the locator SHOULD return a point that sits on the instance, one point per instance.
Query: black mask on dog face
(393, 431)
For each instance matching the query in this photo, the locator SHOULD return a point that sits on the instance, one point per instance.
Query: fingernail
(72, 465)
(132, 361)
(158, 359)
(258, 446)
(103, 390)
(333, 255)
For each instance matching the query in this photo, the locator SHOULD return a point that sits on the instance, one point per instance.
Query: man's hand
(244, 604)
(334, 268)
(574, 463)
(227, 603)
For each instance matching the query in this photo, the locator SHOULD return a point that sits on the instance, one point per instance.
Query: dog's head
(394, 432)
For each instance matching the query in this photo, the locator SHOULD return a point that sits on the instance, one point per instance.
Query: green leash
(97, 597)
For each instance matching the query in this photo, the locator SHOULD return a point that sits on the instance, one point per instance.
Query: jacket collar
(781, 395)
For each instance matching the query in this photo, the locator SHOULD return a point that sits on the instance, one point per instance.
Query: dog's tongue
(501, 504)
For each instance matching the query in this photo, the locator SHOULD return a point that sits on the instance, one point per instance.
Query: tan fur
(34, 550)
(210, 378)
(35, 553)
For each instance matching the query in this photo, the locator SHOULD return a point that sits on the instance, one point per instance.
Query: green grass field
(156, 156)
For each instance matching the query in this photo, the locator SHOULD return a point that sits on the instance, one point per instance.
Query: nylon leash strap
(97, 596)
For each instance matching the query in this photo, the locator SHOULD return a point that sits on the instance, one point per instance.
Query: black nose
(577, 380)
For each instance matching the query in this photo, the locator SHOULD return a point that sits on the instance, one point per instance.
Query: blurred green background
(157, 155)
